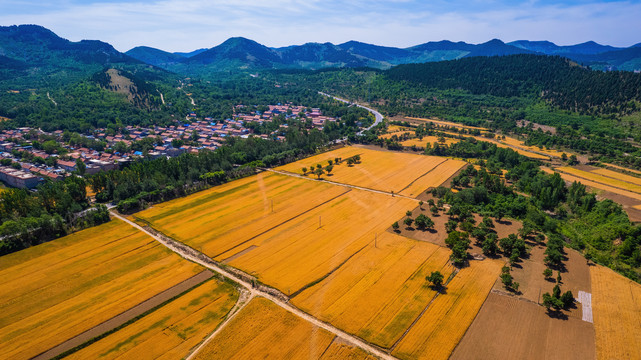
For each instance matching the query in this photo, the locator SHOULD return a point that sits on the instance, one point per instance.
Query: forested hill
(559, 80)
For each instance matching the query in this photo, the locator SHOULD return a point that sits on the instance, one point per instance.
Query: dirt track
(270, 294)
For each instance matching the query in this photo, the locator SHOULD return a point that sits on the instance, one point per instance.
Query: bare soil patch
(508, 328)
(529, 274)
(438, 234)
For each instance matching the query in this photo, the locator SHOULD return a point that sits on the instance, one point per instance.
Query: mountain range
(28, 48)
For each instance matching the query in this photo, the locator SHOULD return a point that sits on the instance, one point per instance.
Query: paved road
(199, 258)
(377, 115)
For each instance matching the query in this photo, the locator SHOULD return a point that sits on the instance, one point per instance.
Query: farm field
(617, 175)
(428, 139)
(433, 178)
(623, 168)
(509, 328)
(379, 170)
(607, 180)
(616, 305)
(378, 293)
(299, 252)
(596, 185)
(57, 290)
(263, 330)
(398, 133)
(170, 331)
(441, 327)
(448, 123)
(217, 220)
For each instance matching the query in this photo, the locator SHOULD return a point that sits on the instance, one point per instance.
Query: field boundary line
(315, 282)
(599, 182)
(428, 171)
(282, 223)
(287, 173)
(243, 299)
(274, 296)
(422, 312)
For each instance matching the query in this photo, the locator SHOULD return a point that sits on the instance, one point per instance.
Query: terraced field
(57, 290)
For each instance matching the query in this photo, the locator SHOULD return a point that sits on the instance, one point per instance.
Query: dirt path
(340, 184)
(122, 318)
(273, 296)
(244, 299)
(52, 100)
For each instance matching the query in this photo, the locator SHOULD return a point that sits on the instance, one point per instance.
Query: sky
(186, 25)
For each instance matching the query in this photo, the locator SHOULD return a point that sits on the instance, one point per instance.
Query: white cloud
(179, 25)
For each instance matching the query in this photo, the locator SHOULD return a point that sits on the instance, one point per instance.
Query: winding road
(251, 291)
(377, 115)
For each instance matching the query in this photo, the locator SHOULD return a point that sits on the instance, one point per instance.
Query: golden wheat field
(441, 327)
(593, 176)
(263, 330)
(434, 178)
(300, 251)
(57, 290)
(340, 350)
(379, 170)
(616, 305)
(617, 175)
(170, 331)
(428, 139)
(378, 293)
(222, 218)
(448, 123)
(398, 133)
(594, 185)
(634, 171)
(519, 143)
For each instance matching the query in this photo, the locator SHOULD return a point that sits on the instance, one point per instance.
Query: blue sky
(185, 25)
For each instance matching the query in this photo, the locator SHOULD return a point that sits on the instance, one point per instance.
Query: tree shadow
(557, 314)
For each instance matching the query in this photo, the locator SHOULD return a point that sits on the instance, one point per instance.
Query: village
(25, 163)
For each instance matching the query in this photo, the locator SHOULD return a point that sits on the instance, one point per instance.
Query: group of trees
(56, 208)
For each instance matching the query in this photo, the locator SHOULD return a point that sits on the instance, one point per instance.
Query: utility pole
(319, 222)
(375, 240)
(272, 205)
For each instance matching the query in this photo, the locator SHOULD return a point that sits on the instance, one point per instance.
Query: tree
(304, 170)
(434, 210)
(408, 221)
(436, 278)
(350, 162)
(568, 299)
(547, 273)
(558, 277)
(80, 165)
(420, 204)
(329, 169)
(395, 226)
(330, 162)
(490, 246)
(408, 213)
(423, 222)
(319, 172)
